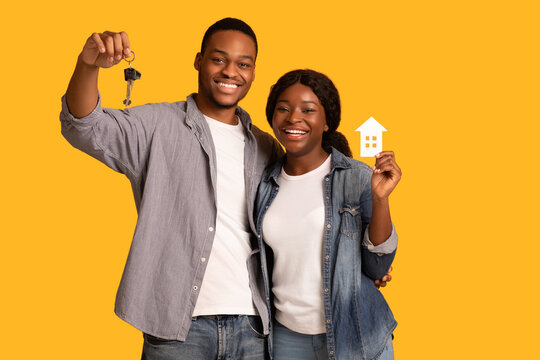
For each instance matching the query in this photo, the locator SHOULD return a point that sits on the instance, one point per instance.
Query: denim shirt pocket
(351, 220)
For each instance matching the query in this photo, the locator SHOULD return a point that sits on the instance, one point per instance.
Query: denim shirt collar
(339, 161)
(194, 114)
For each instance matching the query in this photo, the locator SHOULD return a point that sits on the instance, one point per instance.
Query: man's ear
(197, 63)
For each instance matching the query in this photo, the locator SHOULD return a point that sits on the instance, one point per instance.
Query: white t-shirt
(294, 228)
(225, 287)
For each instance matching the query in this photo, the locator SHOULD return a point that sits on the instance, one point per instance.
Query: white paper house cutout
(370, 137)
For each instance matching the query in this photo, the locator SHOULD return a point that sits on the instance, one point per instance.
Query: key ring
(130, 61)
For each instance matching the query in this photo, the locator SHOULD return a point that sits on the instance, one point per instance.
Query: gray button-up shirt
(167, 153)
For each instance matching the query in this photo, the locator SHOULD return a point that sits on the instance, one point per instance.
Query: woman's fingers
(385, 153)
(386, 161)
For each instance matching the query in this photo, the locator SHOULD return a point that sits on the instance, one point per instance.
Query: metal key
(130, 75)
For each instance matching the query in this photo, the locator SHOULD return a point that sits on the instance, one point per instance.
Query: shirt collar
(339, 161)
(193, 113)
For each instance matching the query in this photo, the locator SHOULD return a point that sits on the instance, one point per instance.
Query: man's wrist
(85, 66)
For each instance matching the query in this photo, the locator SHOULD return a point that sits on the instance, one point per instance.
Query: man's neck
(224, 115)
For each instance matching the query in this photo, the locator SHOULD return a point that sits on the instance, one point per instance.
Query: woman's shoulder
(357, 164)
(349, 163)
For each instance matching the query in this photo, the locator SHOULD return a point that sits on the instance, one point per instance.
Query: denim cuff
(387, 247)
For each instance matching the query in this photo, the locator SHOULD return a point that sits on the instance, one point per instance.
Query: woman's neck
(298, 165)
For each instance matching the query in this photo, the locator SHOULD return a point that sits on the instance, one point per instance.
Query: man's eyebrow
(227, 54)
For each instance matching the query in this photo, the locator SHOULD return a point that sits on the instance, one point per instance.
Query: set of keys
(130, 75)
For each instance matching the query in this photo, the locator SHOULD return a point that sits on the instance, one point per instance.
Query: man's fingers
(109, 46)
(118, 47)
(125, 44)
(99, 43)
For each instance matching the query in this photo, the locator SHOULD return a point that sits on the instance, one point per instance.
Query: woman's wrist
(379, 200)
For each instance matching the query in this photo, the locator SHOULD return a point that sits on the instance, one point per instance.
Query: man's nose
(229, 70)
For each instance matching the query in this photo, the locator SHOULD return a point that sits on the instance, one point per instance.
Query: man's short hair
(229, 24)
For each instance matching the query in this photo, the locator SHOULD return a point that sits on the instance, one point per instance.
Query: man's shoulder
(177, 106)
(260, 133)
(159, 113)
(266, 140)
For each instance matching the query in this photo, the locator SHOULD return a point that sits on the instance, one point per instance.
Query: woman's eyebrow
(304, 101)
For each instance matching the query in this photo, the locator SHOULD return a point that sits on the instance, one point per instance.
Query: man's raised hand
(105, 49)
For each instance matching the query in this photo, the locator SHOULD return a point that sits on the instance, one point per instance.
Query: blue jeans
(290, 345)
(212, 338)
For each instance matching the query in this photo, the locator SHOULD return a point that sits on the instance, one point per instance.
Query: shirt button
(210, 229)
(259, 236)
(328, 198)
(195, 288)
(203, 259)
(327, 179)
(328, 321)
(329, 226)
(331, 352)
(326, 290)
(275, 188)
(266, 207)
(327, 257)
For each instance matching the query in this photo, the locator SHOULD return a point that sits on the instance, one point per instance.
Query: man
(194, 167)
(191, 281)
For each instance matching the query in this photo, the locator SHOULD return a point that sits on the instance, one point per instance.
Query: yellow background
(455, 83)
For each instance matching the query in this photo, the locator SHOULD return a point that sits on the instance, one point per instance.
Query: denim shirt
(357, 318)
(167, 153)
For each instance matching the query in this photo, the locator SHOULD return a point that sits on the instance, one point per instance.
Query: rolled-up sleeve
(386, 247)
(118, 138)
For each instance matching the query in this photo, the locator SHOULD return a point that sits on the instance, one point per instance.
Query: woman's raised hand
(386, 175)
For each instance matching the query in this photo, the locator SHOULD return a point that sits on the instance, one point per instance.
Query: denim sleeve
(387, 247)
(118, 138)
(377, 260)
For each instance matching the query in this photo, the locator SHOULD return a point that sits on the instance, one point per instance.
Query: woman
(328, 243)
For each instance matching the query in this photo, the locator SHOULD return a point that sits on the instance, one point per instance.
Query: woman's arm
(386, 175)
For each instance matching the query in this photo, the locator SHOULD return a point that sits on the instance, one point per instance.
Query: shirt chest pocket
(351, 221)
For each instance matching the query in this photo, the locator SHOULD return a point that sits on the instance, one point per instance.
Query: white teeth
(299, 132)
(230, 86)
